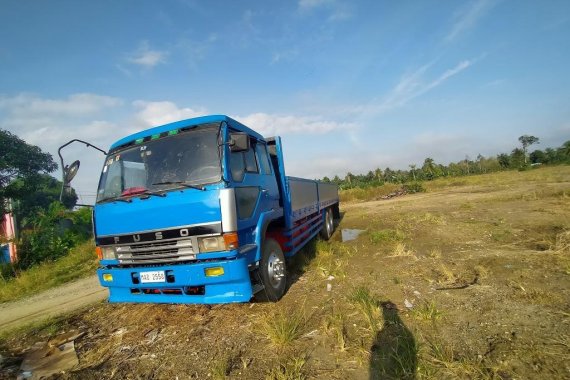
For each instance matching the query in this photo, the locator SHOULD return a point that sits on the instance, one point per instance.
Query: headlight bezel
(108, 253)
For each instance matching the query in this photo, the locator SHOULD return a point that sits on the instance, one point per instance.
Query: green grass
(369, 193)
(80, 262)
(221, 367)
(427, 311)
(386, 235)
(369, 306)
(283, 327)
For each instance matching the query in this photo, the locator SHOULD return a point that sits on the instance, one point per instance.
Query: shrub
(51, 233)
(414, 187)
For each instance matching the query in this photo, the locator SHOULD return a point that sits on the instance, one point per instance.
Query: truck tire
(328, 225)
(272, 271)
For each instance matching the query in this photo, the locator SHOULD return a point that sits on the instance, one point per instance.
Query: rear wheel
(328, 225)
(273, 271)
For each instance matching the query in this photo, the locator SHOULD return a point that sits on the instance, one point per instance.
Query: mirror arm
(61, 160)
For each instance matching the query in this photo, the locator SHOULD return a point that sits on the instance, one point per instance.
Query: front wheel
(273, 271)
(328, 225)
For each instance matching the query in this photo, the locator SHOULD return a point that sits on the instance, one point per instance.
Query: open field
(468, 280)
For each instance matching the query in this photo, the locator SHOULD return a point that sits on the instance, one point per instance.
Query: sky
(350, 86)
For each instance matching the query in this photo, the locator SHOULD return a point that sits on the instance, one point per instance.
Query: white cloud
(75, 105)
(151, 114)
(468, 17)
(51, 122)
(310, 4)
(288, 55)
(270, 125)
(146, 57)
(409, 87)
(101, 120)
(338, 11)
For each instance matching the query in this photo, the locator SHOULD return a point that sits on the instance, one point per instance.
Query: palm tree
(413, 167)
(527, 141)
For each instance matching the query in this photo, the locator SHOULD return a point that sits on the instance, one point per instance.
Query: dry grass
(369, 306)
(400, 250)
(335, 325)
(290, 369)
(80, 262)
(369, 193)
(511, 325)
(283, 326)
(427, 311)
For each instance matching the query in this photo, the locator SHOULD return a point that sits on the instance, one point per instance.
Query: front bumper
(185, 283)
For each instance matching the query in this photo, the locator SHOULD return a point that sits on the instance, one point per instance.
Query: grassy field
(468, 280)
(81, 261)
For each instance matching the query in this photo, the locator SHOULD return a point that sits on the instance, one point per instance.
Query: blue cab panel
(234, 285)
(180, 207)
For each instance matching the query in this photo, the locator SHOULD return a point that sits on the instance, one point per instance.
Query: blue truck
(201, 211)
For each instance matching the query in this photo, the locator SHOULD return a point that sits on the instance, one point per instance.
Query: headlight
(108, 253)
(211, 244)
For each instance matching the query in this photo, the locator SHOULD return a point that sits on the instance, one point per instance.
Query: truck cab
(200, 211)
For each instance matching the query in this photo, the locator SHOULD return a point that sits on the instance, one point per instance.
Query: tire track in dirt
(50, 303)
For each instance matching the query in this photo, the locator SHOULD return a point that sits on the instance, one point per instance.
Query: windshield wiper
(139, 190)
(185, 184)
(113, 199)
(148, 192)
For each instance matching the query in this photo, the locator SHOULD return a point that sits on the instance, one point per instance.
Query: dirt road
(50, 303)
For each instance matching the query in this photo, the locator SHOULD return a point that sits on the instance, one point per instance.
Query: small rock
(408, 304)
(330, 278)
(416, 293)
(329, 287)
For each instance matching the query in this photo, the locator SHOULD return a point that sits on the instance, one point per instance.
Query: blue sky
(349, 85)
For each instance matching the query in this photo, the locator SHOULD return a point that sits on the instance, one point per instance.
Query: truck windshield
(185, 159)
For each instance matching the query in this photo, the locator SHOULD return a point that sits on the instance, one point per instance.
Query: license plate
(157, 276)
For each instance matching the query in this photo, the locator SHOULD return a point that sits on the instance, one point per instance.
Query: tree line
(47, 227)
(518, 159)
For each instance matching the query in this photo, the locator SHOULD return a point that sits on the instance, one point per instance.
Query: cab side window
(237, 166)
(250, 161)
(263, 158)
(243, 162)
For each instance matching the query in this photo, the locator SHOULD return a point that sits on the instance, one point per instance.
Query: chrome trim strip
(229, 210)
(247, 248)
(163, 229)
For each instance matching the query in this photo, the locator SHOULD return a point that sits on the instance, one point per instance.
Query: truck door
(255, 187)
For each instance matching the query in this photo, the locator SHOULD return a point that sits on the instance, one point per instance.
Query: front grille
(163, 252)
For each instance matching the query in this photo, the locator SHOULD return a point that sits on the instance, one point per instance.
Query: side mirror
(239, 142)
(70, 171)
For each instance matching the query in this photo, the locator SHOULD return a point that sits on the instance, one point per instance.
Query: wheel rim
(275, 270)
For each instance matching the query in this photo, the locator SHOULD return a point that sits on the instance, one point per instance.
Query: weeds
(432, 219)
(291, 369)
(427, 311)
(445, 275)
(221, 367)
(334, 324)
(79, 262)
(439, 360)
(369, 306)
(435, 253)
(400, 250)
(283, 327)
